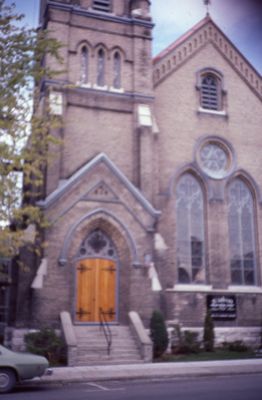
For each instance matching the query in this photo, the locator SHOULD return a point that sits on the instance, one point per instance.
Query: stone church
(154, 195)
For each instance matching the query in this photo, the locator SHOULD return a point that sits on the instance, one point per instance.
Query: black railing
(104, 325)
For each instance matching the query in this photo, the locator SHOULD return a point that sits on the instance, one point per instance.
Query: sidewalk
(152, 371)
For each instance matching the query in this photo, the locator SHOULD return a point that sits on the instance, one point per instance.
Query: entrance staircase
(106, 344)
(92, 347)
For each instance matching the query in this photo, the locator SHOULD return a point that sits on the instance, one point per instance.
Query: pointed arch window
(117, 71)
(190, 231)
(242, 242)
(84, 65)
(211, 87)
(100, 68)
(210, 92)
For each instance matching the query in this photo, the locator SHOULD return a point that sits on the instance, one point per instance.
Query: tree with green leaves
(25, 130)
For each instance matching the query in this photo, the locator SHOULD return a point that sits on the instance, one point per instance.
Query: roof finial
(207, 4)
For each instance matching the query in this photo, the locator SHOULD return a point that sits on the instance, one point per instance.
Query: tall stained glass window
(84, 65)
(242, 241)
(190, 231)
(117, 71)
(101, 68)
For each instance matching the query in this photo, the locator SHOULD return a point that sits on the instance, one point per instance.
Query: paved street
(237, 387)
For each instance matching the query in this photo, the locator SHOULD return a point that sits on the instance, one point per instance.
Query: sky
(240, 20)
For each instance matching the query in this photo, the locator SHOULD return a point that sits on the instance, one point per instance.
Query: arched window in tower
(101, 68)
(84, 65)
(117, 71)
(210, 92)
(190, 231)
(242, 242)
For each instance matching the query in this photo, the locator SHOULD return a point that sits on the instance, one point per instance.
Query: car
(16, 367)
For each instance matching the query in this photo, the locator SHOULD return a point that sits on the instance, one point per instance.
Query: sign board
(222, 307)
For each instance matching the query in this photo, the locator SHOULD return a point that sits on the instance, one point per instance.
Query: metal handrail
(106, 329)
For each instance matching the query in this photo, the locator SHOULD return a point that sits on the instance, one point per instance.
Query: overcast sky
(240, 20)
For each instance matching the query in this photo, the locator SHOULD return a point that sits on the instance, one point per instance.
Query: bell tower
(107, 77)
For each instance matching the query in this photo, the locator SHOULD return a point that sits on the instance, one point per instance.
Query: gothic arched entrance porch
(96, 279)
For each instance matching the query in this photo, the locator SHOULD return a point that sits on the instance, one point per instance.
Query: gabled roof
(77, 176)
(181, 39)
(205, 31)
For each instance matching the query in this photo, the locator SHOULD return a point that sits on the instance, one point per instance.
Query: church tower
(98, 188)
(106, 92)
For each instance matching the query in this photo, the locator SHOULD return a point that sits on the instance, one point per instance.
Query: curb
(151, 371)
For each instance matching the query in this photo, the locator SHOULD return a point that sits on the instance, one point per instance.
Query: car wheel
(7, 380)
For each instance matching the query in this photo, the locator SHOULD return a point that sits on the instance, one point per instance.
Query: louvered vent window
(210, 92)
(102, 5)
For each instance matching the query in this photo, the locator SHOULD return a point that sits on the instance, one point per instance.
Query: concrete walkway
(152, 371)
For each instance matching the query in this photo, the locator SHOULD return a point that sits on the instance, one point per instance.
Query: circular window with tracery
(215, 159)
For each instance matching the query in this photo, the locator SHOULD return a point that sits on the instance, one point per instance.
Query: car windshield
(4, 350)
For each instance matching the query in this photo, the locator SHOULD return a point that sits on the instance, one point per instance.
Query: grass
(218, 354)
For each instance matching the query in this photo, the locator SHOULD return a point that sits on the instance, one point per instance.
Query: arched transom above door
(98, 245)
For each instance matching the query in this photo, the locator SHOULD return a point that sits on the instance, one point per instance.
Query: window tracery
(242, 241)
(98, 245)
(190, 231)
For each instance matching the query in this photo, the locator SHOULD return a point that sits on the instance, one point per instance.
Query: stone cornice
(77, 10)
(206, 31)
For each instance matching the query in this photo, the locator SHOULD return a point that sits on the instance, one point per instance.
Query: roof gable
(77, 176)
(206, 31)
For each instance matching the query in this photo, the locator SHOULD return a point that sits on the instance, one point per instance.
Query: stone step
(114, 346)
(89, 360)
(92, 346)
(114, 333)
(121, 349)
(114, 329)
(126, 354)
(100, 342)
(121, 339)
(109, 362)
(105, 355)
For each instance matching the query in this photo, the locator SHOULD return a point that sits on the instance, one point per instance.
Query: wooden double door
(96, 290)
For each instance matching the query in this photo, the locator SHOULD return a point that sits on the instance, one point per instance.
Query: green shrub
(158, 333)
(209, 335)
(187, 342)
(176, 338)
(237, 345)
(48, 344)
